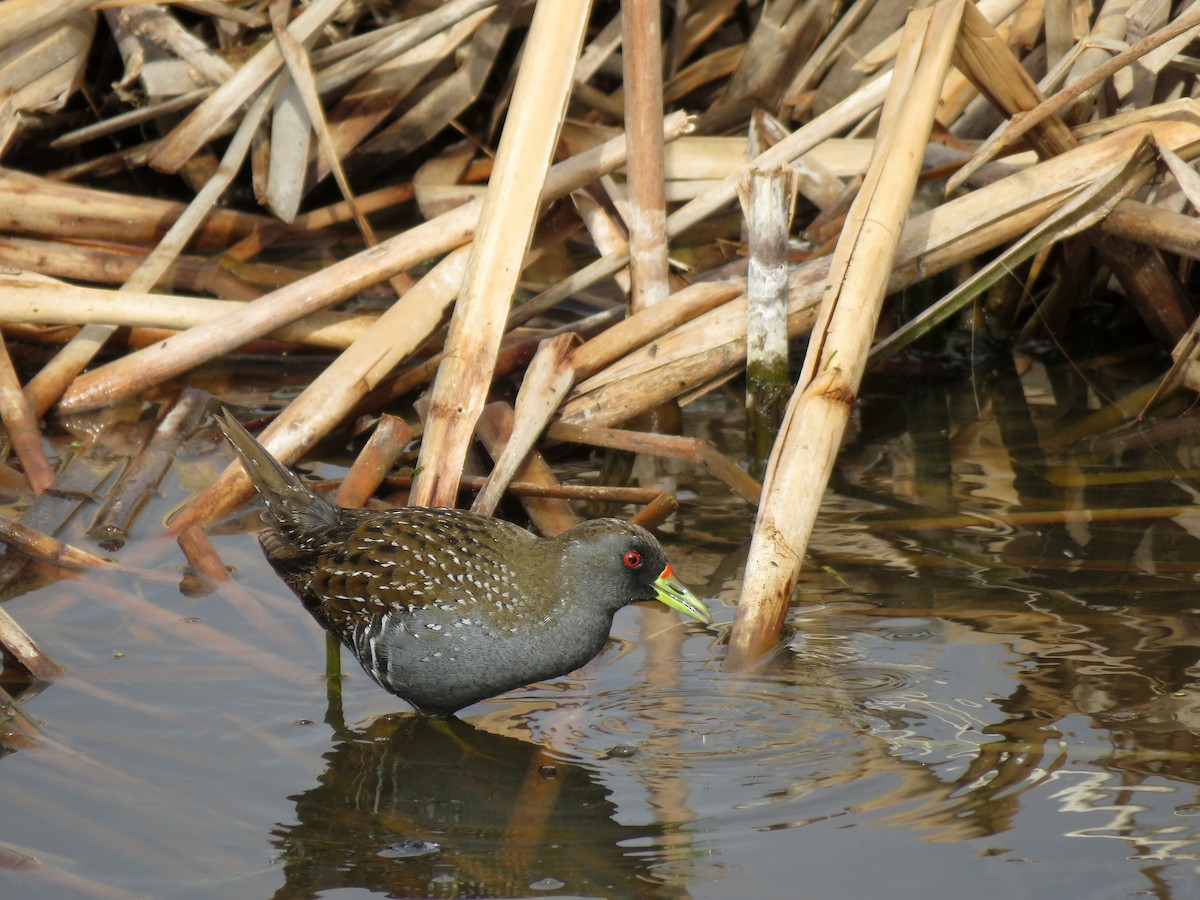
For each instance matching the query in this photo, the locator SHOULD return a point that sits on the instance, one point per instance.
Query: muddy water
(989, 689)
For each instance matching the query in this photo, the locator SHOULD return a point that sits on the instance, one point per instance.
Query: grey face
(614, 566)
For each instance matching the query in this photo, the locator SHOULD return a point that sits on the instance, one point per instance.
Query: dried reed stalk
(641, 27)
(202, 556)
(655, 513)
(506, 223)
(46, 549)
(830, 123)
(714, 343)
(323, 404)
(32, 205)
(1020, 125)
(45, 388)
(803, 457)
(325, 216)
(29, 298)
(692, 450)
(549, 514)
(1152, 289)
(547, 380)
(138, 371)
(202, 124)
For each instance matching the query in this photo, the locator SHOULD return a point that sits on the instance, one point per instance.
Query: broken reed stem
(32, 658)
(385, 445)
(144, 473)
(803, 457)
(641, 26)
(47, 549)
(656, 511)
(768, 197)
(22, 428)
(506, 223)
(549, 515)
(202, 556)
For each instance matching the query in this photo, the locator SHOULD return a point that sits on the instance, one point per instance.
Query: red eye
(633, 559)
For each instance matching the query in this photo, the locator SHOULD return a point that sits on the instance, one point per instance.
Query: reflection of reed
(1089, 573)
(667, 788)
(504, 813)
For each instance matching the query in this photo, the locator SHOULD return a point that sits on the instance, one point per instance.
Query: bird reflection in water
(415, 807)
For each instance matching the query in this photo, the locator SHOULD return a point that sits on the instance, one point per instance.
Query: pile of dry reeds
(615, 126)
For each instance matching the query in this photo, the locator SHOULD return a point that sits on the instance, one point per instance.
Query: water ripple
(868, 681)
(720, 718)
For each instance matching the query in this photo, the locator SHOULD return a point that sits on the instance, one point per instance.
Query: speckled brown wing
(415, 562)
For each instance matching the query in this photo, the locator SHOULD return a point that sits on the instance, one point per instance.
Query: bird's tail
(295, 509)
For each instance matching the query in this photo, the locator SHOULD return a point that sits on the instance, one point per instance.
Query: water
(978, 697)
